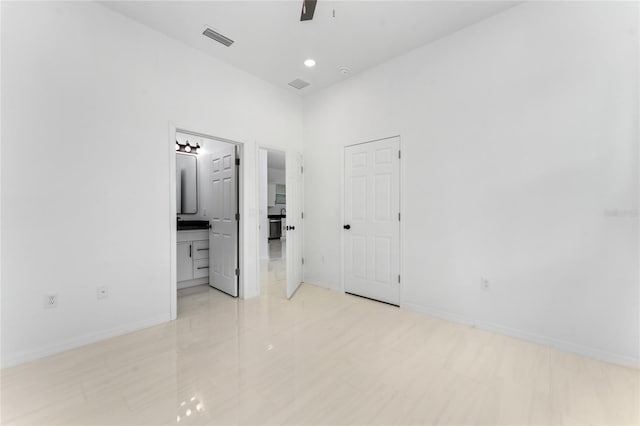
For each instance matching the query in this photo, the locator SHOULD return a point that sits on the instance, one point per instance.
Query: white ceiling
(272, 43)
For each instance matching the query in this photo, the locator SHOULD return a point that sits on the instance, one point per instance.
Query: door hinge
(302, 215)
(303, 260)
(237, 216)
(398, 153)
(237, 161)
(398, 279)
(301, 169)
(237, 272)
(398, 216)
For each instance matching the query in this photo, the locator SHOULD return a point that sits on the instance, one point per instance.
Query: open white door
(294, 222)
(223, 232)
(372, 220)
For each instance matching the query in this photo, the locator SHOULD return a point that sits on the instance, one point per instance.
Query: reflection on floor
(320, 358)
(273, 271)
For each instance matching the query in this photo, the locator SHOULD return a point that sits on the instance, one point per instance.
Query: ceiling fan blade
(308, 8)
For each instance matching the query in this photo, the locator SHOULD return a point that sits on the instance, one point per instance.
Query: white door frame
(173, 226)
(257, 156)
(402, 209)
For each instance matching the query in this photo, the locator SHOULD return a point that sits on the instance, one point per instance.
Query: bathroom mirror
(186, 184)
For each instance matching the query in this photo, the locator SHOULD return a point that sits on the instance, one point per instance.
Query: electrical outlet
(50, 301)
(484, 284)
(103, 292)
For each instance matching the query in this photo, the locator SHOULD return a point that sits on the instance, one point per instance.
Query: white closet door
(223, 207)
(372, 220)
(294, 222)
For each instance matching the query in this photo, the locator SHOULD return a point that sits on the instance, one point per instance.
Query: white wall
(276, 176)
(87, 101)
(520, 164)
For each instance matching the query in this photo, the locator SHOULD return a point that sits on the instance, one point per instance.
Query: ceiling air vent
(217, 37)
(298, 84)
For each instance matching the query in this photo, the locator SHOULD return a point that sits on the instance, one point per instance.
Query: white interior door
(294, 222)
(223, 208)
(372, 220)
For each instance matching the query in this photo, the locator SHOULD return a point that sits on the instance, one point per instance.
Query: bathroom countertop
(192, 225)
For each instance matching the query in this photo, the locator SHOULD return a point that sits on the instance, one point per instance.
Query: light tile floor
(273, 271)
(320, 358)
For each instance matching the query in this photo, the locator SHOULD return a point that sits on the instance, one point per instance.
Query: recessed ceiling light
(310, 63)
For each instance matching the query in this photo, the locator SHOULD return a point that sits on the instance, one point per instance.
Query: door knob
(347, 227)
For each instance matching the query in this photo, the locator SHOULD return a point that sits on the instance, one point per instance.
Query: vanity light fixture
(187, 147)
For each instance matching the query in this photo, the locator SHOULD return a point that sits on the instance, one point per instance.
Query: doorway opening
(206, 200)
(280, 233)
(272, 226)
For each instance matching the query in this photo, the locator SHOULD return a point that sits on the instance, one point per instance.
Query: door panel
(223, 235)
(383, 254)
(372, 206)
(359, 190)
(359, 256)
(382, 195)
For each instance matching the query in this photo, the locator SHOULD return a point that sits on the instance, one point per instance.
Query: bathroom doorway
(206, 199)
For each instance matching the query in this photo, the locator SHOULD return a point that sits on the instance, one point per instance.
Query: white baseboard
(192, 283)
(319, 283)
(76, 342)
(613, 358)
